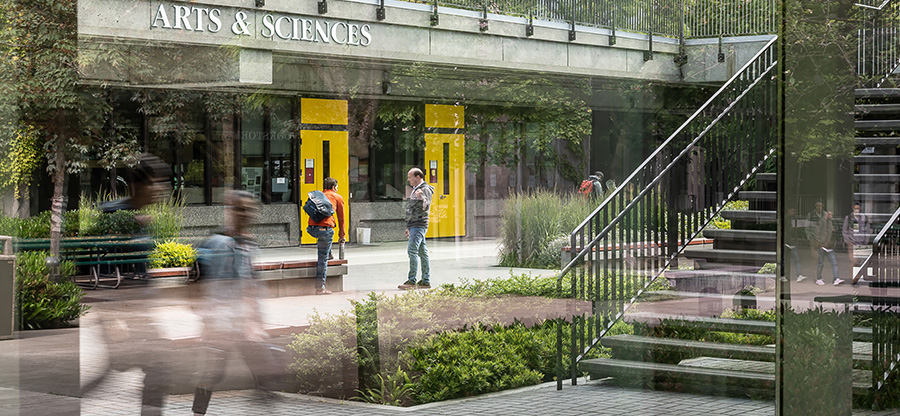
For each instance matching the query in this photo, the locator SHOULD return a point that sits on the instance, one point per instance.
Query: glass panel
(281, 155)
(252, 158)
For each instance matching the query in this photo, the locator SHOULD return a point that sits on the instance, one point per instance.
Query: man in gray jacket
(417, 207)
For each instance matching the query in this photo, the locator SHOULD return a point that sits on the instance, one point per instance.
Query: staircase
(876, 167)
(630, 241)
(653, 358)
(663, 352)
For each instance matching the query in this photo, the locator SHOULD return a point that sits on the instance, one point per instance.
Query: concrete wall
(278, 224)
(405, 36)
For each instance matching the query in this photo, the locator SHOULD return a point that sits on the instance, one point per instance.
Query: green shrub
(517, 285)
(165, 218)
(477, 361)
(394, 390)
(41, 302)
(117, 223)
(37, 226)
(172, 254)
(817, 361)
(9, 226)
(533, 221)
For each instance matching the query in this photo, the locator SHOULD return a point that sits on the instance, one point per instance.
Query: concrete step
(758, 195)
(862, 351)
(861, 380)
(863, 109)
(878, 141)
(876, 159)
(741, 235)
(717, 279)
(741, 239)
(763, 217)
(877, 93)
(682, 378)
(766, 177)
(877, 178)
(656, 345)
(744, 326)
(876, 125)
(756, 258)
(876, 197)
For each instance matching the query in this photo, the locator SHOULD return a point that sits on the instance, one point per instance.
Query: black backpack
(317, 206)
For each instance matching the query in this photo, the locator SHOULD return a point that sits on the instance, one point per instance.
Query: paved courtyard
(39, 374)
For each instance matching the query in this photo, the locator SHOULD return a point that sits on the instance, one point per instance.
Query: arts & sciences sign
(199, 18)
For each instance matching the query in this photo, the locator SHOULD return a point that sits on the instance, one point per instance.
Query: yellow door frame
(445, 169)
(323, 129)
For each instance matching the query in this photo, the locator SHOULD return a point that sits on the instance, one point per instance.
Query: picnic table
(114, 253)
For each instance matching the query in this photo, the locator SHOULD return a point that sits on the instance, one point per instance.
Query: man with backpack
(322, 223)
(592, 187)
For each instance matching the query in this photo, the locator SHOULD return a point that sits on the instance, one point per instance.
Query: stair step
(862, 379)
(876, 197)
(732, 256)
(749, 215)
(744, 326)
(691, 348)
(877, 125)
(871, 178)
(877, 92)
(708, 380)
(876, 159)
(758, 195)
(862, 351)
(877, 108)
(740, 235)
(766, 177)
(878, 141)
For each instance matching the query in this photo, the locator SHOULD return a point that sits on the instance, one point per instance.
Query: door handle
(443, 196)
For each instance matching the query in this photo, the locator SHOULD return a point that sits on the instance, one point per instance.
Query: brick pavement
(593, 397)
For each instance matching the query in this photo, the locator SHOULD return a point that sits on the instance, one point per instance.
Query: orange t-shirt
(337, 202)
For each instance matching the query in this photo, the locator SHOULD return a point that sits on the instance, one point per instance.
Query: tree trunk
(59, 175)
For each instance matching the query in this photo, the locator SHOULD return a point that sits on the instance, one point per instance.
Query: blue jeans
(831, 259)
(416, 250)
(794, 265)
(324, 235)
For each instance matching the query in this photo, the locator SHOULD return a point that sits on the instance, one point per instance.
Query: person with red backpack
(592, 187)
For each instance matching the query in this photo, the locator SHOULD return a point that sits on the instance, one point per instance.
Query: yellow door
(324, 152)
(445, 166)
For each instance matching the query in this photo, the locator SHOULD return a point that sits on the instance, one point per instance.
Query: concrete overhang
(224, 43)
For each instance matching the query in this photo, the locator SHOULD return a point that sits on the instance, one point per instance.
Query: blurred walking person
(230, 306)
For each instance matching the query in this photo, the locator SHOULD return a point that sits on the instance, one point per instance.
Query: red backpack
(587, 187)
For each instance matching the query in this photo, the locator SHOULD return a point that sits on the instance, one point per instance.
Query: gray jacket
(417, 206)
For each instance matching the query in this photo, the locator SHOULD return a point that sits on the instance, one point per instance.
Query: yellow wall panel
(444, 116)
(319, 111)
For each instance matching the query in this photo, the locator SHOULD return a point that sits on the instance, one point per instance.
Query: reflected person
(230, 306)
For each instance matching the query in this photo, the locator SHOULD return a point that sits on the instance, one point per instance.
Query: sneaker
(820, 282)
(323, 292)
(801, 278)
(838, 281)
(783, 279)
(407, 285)
(423, 284)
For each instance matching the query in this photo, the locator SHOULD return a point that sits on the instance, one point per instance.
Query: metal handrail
(878, 237)
(706, 18)
(877, 41)
(629, 180)
(667, 201)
